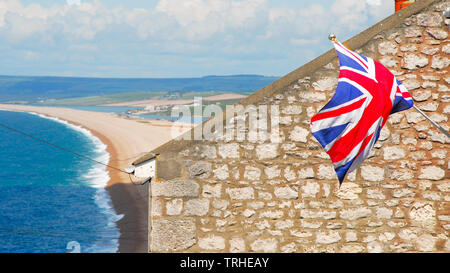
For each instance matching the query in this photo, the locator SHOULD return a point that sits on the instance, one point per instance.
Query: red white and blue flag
(348, 126)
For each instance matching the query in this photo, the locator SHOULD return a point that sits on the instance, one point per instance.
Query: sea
(52, 201)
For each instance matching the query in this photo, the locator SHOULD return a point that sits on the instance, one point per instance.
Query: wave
(97, 177)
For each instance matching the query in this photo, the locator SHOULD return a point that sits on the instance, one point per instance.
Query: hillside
(32, 89)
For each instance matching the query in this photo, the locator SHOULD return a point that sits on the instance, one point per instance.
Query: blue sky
(174, 38)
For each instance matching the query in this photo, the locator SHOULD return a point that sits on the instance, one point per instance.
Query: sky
(174, 38)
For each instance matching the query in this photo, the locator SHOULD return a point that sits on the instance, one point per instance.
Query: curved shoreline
(96, 139)
(125, 140)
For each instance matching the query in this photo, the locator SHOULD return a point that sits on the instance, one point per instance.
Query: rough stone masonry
(260, 195)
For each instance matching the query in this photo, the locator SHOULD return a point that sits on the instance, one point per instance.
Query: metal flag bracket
(333, 38)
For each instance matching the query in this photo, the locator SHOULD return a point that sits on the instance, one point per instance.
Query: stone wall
(266, 195)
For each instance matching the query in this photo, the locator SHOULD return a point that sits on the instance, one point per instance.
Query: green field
(107, 99)
(132, 96)
(110, 90)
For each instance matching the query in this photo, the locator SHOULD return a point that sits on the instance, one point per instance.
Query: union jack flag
(348, 126)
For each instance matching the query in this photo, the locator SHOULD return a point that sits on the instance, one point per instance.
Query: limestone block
(412, 32)
(421, 95)
(310, 190)
(444, 187)
(440, 62)
(437, 33)
(285, 120)
(423, 214)
(429, 107)
(408, 234)
(372, 173)
(221, 173)
(252, 173)
(289, 174)
(411, 84)
(413, 61)
(384, 133)
(299, 134)
(443, 88)
(375, 194)
(241, 193)
(172, 234)
(248, 213)
(438, 117)
(374, 247)
(267, 151)
(351, 236)
(292, 110)
(387, 48)
(212, 190)
(220, 204)
(325, 84)
(395, 119)
(393, 153)
(355, 213)
(212, 242)
(401, 175)
(429, 50)
(384, 213)
(408, 48)
(352, 248)
(175, 188)
(156, 207)
(284, 224)
(174, 207)
(314, 213)
(196, 207)
(431, 77)
(414, 117)
(309, 96)
(289, 248)
(432, 173)
(429, 19)
(426, 243)
(209, 151)
(230, 150)
(326, 172)
(237, 245)
(264, 245)
(272, 172)
(199, 168)
(402, 193)
(446, 48)
(271, 214)
(386, 236)
(286, 193)
(349, 191)
(306, 173)
(388, 61)
(328, 237)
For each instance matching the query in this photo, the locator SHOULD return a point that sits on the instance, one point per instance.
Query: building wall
(264, 195)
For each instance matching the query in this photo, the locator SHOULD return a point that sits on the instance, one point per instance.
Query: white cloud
(228, 30)
(73, 2)
(374, 2)
(349, 13)
(304, 42)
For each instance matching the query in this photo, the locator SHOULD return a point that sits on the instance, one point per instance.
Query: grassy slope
(33, 89)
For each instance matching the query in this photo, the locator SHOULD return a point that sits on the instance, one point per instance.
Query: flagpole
(432, 122)
(333, 38)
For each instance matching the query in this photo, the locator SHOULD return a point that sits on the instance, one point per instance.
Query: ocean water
(50, 200)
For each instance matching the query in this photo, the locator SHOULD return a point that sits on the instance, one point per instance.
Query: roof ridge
(355, 42)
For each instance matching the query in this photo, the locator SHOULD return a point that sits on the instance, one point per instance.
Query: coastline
(126, 140)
